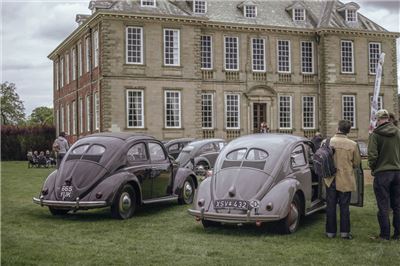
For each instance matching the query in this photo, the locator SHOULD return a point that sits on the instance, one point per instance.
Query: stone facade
(257, 90)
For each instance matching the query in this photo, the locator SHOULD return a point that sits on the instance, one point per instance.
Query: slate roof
(320, 13)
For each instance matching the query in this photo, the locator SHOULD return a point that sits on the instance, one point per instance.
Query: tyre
(56, 211)
(290, 223)
(187, 192)
(201, 168)
(124, 204)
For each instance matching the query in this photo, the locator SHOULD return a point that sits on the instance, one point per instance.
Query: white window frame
(87, 45)
(290, 111)
(179, 111)
(226, 110)
(303, 114)
(203, 52)
(342, 57)
(68, 119)
(96, 48)
(80, 115)
(148, 3)
(62, 118)
(351, 18)
(56, 70)
(237, 53)
(198, 7)
(96, 103)
(73, 52)
(278, 61)
(80, 67)
(248, 13)
(354, 124)
(141, 115)
(252, 56)
(62, 73)
(73, 117)
(373, 61)
(302, 56)
(67, 70)
(88, 113)
(128, 48)
(176, 61)
(299, 17)
(211, 111)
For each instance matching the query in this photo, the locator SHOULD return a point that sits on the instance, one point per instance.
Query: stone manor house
(207, 68)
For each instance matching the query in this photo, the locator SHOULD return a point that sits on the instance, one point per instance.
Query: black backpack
(324, 165)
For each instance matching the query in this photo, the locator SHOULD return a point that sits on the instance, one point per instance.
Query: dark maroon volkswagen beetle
(119, 170)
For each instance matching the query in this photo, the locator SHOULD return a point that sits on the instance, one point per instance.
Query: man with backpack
(346, 157)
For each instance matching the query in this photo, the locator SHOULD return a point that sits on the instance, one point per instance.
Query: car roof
(265, 141)
(172, 141)
(125, 136)
(204, 141)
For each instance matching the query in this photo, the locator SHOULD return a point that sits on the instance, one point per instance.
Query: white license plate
(234, 204)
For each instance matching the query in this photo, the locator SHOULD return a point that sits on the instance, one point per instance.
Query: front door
(259, 115)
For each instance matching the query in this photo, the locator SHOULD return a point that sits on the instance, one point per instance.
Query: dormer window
(148, 3)
(349, 12)
(299, 14)
(199, 6)
(351, 15)
(250, 11)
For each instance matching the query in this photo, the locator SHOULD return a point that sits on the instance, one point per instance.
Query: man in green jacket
(384, 161)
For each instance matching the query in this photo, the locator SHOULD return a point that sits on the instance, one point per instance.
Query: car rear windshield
(87, 152)
(252, 158)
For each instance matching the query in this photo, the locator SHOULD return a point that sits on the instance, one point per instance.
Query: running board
(164, 199)
(316, 208)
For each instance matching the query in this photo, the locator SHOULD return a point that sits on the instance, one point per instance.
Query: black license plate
(232, 204)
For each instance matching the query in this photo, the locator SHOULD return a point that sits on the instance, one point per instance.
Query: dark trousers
(60, 156)
(334, 197)
(387, 193)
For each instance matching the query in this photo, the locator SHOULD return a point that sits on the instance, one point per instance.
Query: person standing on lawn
(339, 187)
(384, 161)
(60, 146)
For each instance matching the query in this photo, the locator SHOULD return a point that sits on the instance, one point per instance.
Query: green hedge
(16, 141)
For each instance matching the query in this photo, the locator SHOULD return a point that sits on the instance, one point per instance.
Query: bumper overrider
(249, 217)
(77, 204)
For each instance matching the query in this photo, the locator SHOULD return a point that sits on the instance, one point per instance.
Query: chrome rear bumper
(232, 218)
(70, 204)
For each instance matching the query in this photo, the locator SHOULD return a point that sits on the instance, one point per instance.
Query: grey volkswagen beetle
(117, 170)
(263, 178)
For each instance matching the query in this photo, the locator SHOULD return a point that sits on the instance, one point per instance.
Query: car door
(139, 165)
(174, 150)
(301, 170)
(161, 170)
(209, 151)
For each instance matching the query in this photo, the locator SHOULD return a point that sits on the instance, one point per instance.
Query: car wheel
(201, 168)
(291, 222)
(187, 192)
(56, 211)
(124, 204)
(207, 223)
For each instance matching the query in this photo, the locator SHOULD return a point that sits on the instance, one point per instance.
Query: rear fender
(181, 175)
(203, 193)
(110, 186)
(201, 159)
(49, 184)
(280, 196)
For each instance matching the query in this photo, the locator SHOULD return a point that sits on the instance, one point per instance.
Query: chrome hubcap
(187, 191)
(293, 217)
(125, 202)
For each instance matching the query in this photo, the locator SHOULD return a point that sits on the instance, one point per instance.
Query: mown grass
(165, 234)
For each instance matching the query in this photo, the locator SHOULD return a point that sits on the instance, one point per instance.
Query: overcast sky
(31, 29)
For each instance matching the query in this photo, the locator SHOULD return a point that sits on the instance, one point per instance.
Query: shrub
(16, 141)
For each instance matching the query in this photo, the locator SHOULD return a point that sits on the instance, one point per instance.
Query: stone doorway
(259, 115)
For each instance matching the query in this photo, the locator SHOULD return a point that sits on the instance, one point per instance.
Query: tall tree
(42, 116)
(12, 108)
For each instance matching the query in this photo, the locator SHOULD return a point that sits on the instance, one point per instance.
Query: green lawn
(166, 235)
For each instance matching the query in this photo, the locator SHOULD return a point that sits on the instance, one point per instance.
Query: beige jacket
(346, 157)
